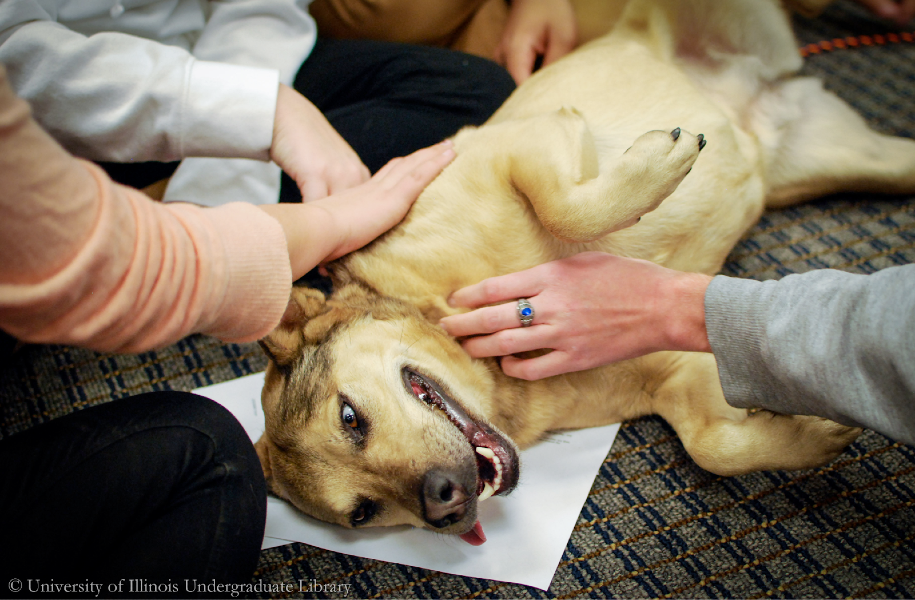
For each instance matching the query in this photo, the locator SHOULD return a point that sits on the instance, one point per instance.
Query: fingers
(485, 320)
(509, 341)
(523, 284)
(344, 172)
(313, 188)
(541, 367)
(348, 174)
(882, 8)
(557, 47)
(367, 211)
(519, 61)
(900, 11)
(411, 174)
(308, 148)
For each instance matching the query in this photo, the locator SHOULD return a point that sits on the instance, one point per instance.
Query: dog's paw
(825, 439)
(675, 134)
(668, 156)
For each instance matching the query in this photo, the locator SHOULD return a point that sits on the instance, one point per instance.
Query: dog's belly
(699, 223)
(455, 238)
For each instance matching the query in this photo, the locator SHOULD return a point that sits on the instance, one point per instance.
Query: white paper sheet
(526, 531)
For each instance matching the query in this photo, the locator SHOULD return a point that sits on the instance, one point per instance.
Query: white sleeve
(118, 97)
(279, 33)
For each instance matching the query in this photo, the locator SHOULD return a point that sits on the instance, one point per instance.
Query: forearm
(826, 343)
(93, 94)
(311, 234)
(92, 263)
(681, 313)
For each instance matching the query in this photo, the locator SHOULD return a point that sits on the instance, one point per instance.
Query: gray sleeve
(825, 343)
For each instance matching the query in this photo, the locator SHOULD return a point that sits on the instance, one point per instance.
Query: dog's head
(374, 416)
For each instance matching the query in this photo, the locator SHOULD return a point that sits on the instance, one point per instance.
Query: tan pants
(472, 26)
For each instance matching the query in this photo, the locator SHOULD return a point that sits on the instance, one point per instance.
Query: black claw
(702, 141)
(675, 133)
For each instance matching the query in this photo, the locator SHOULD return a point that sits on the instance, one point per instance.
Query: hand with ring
(590, 309)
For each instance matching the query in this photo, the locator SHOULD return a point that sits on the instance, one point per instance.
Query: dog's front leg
(581, 196)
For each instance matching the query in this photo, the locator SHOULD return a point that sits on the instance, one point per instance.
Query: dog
(663, 140)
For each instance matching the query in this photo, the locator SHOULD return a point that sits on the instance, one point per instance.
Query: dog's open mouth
(497, 460)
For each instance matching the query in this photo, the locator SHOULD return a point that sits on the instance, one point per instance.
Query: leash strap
(857, 42)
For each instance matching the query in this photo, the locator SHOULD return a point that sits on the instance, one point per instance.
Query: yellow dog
(375, 416)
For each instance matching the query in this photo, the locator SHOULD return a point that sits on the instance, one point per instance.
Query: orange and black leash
(857, 42)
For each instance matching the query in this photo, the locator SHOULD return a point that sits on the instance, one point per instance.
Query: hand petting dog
(308, 148)
(590, 309)
(325, 229)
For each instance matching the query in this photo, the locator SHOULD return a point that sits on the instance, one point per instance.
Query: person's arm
(92, 263)
(591, 309)
(218, 98)
(278, 34)
(825, 343)
(118, 97)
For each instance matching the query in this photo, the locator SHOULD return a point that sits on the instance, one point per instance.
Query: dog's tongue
(475, 536)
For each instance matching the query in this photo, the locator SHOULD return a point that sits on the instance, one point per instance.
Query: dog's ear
(284, 344)
(348, 303)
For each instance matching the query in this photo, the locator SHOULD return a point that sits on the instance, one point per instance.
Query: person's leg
(140, 174)
(388, 99)
(163, 486)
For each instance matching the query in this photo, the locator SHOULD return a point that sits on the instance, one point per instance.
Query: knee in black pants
(162, 486)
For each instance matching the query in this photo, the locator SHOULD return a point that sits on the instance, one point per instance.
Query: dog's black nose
(444, 499)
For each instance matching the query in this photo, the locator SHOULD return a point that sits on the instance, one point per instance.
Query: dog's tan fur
(565, 166)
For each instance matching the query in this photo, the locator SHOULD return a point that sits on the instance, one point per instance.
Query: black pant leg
(388, 100)
(162, 486)
(139, 174)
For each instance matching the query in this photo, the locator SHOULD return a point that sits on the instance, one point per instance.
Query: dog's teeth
(484, 451)
(488, 491)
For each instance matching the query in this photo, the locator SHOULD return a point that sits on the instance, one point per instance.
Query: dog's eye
(349, 416)
(352, 423)
(364, 512)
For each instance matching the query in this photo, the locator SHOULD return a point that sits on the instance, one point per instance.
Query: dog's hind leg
(814, 144)
(579, 196)
(731, 441)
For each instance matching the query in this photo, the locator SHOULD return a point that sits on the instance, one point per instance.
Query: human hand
(591, 309)
(310, 150)
(535, 28)
(328, 228)
(363, 213)
(900, 11)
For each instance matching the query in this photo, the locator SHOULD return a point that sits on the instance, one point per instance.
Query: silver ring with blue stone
(525, 312)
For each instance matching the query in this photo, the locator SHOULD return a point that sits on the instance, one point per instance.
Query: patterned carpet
(654, 525)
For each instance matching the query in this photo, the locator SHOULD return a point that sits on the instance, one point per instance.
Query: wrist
(310, 234)
(684, 321)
